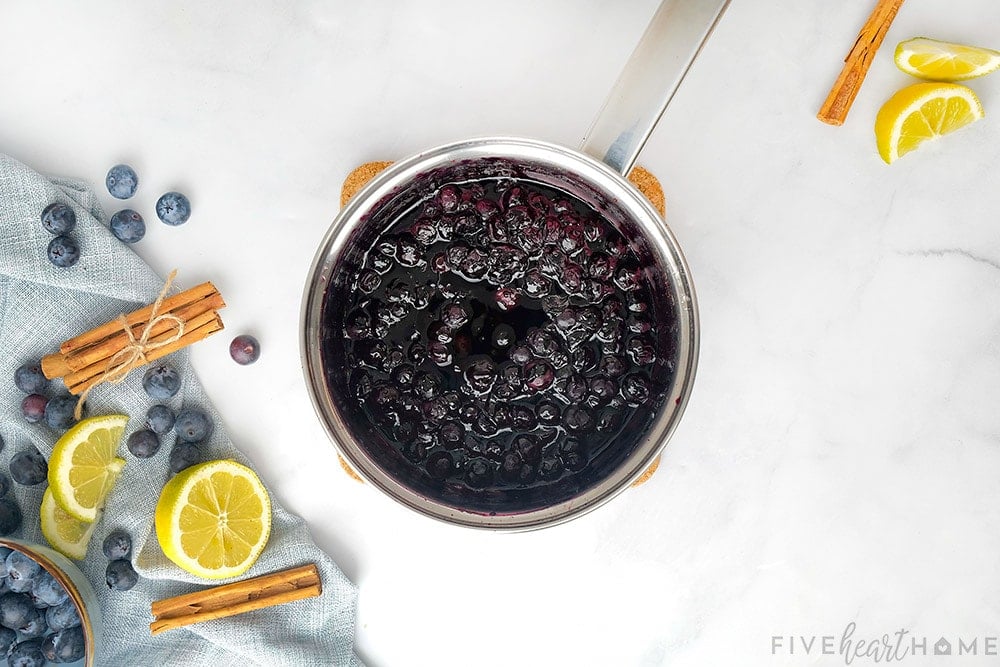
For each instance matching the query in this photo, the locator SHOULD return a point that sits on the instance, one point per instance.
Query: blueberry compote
(499, 344)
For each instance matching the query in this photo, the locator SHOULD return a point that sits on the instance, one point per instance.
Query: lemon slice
(84, 466)
(213, 519)
(66, 535)
(922, 112)
(944, 61)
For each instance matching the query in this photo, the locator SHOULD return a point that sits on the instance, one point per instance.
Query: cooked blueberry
(63, 251)
(635, 388)
(59, 411)
(47, 591)
(548, 413)
(577, 418)
(67, 645)
(160, 419)
(480, 374)
(16, 608)
(440, 465)
(451, 434)
(478, 474)
(128, 226)
(33, 408)
(161, 381)
(143, 443)
(30, 379)
(120, 575)
(612, 366)
(528, 447)
(58, 219)
(173, 208)
(510, 467)
(550, 467)
(244, 349)
(28, 467)
(26, 654)
(10, 514)
(121, 181)
(184, 455)
(538, 376)
(62, 616)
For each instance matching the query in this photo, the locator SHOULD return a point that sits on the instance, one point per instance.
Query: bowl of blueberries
(48, 610)
(500, 333)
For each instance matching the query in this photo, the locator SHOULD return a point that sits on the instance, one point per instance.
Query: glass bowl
(72, 579)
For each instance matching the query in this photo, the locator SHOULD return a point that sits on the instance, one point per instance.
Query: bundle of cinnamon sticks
(84, 361)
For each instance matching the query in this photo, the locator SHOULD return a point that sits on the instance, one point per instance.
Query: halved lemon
(66, 535)
(84, 465)
(213, 519)
(923, 112)
(935, 60)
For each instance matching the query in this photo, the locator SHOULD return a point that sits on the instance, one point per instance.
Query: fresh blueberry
(118, 544)
(173, 208)
(120, 575)
(63, 251)
(30, 379)
(27, 654)
(47, 591)
(128, 226)
(7, 639)
(62, 616)
(65, 645)
(4, 485)
(58, 219)
(15, 609)
(184, 455)
(28, 467)
(161, 382)
(143, 443)
(122, 181)
(33, 408)
(10, 513)
(4, 552)
(193, 425)
(160, 419)
(59, 411)
(244, 349)
(34, 626)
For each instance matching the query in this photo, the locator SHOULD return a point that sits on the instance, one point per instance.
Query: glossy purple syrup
(500, 346)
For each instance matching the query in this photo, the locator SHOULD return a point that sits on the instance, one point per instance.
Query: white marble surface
(839, 458)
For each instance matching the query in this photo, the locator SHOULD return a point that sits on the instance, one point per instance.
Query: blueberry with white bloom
(58, 219)
(128, 226)
(122, 181)
(173, 209)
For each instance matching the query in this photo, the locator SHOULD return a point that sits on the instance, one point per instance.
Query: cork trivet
(644, 180)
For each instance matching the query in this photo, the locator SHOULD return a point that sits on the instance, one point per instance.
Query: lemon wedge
(84, 465)
(923, 112)
(66, 535)
(944, 61)
(213, 519)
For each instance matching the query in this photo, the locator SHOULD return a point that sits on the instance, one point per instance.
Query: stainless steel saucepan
(597, 171)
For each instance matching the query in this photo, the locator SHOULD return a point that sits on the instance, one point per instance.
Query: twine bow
(133, 354)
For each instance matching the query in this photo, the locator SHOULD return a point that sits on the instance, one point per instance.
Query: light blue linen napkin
(42, 305)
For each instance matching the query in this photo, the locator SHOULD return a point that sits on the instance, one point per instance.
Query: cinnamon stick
(138, 317)
(230, 599)
(856, 64)
(207, 324)
(60, 364)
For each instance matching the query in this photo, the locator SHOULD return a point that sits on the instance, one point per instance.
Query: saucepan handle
(675, 36)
